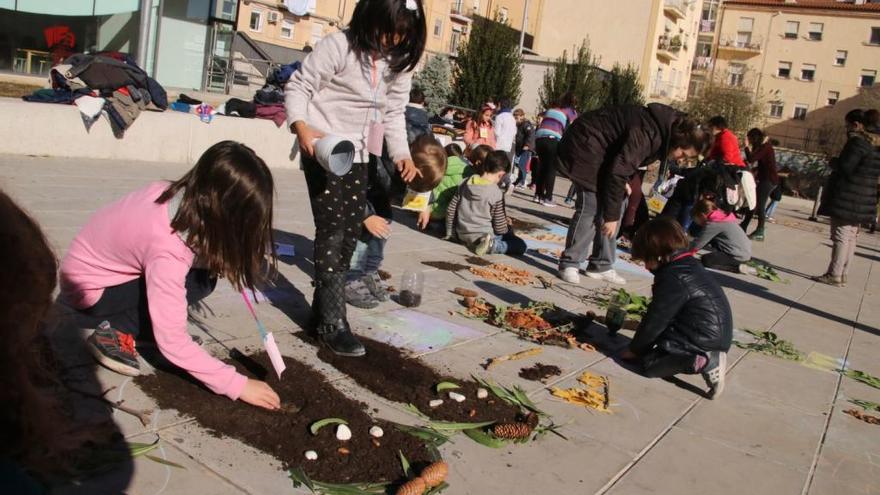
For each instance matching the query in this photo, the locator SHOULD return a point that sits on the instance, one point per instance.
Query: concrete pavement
(779, 428)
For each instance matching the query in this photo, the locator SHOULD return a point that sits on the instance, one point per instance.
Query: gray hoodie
(476, 210)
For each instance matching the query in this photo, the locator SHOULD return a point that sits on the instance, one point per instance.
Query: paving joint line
(208, 468)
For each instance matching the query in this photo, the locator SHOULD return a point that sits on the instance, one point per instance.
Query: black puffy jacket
(602, 149)
(688, 307)
(853, 184)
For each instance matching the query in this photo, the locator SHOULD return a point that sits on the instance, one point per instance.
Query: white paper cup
(335, 154)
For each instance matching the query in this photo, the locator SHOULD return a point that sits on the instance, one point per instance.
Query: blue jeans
(522, 163)
(508, 243)
(367, 257)
(772, 208)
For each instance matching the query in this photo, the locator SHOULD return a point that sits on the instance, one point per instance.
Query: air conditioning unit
(273, 17)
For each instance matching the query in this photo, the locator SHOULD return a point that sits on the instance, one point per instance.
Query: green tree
(580, 75)
(739, 104)
(435, 80)
(622, 87)
(488, 65)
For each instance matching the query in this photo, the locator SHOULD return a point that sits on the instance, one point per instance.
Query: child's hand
(257, 393)
(407, 169)
(378, 226)
(306, 137)
(609, 229)
(424, 219)
(627, 355)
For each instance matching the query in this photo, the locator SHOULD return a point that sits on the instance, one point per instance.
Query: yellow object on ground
(595, 395)
(516, 355)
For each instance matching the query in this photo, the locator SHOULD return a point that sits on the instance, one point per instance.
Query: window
(808, 72)
(791, 30)
(744, 31)
(776, 110)
(735, 74)
(256, 20)
(455, 40)
(867, 79)
(228, 10)
(746, 24)
(815, 32)
(317, 32)
(438, 28)
(503, 15)
(840, 58)
(800, 111)
(286, 29)
(784, 70)
(833, 96)
(875, 36)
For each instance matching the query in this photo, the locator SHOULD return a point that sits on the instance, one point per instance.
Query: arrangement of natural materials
(596, 393)
(767, 342)
(319, 433)
(504, 273)
(867, 418)
(541, 323)
(540, 372)
(861, 376)
(765, 271)
(635, 305)
(513, 357)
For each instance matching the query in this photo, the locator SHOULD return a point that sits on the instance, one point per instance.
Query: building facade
(810, 61)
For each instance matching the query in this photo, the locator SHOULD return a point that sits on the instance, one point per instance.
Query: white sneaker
(570, 275)
(747, 269)
(609, 276)
(484, 245)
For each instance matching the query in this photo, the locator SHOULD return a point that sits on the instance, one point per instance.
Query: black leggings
(548, 150)
(338, 208)
(764, 189)
(125, 306)
(717, 260)
(670, 358)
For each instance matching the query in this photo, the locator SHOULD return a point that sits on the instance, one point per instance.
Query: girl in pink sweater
(140, 261)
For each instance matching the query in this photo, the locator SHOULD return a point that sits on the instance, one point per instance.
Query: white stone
(376, 432)
(457, 397)
(343, 433)
(435, 403)
(311, 455)
(482, 393)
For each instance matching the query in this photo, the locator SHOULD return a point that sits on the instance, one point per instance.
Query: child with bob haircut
(354, 85)
(476, 214)
(689, 325)
(457, 170)
(140, 261)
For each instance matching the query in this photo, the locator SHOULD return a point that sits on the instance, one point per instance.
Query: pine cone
(532, 420)
(435, 473)
(512, 431)
(413, 487)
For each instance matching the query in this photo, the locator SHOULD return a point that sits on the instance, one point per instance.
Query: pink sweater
(130, 238)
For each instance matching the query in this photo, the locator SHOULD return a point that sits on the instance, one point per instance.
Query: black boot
(332, 327)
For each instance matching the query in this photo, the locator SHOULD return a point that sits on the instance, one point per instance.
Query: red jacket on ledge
(725, 147)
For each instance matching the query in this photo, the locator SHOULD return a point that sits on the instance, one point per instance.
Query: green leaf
(137, 449)
(452, 426)
(861, 376)
(415, 410)
(163, 461)
(433, 437)
(446, 386)
(485, 439)
(317, 425)
(866, 405)
(404, 463)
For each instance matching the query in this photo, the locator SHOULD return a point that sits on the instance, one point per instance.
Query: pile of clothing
(268, 102)
(108, 83)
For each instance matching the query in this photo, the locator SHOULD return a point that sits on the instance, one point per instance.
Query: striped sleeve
(451, 211)
(499, 218)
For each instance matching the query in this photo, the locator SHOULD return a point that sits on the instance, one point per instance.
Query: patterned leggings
(338, 207)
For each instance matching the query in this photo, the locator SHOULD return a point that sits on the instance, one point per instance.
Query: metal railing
(753, 44)
(702, 63)
(669, 44)
(707, 26)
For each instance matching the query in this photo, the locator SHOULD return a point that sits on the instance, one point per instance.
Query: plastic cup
(335, 154)
(411, 287)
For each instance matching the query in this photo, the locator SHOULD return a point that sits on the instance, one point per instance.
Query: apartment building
(704, 55)
(270, 23)
(809, 60)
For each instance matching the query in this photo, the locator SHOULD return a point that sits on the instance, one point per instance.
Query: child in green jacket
(458, 169)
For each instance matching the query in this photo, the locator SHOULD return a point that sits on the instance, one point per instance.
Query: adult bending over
(600, 152)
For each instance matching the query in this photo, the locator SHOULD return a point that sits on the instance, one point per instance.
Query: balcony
(701, 66)
(748, 46)
(676, 9)
(458, 12)
(707, 27)
(668, 48)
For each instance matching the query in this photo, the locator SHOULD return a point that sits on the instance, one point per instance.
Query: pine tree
(580, 75)
(488, 65)
(435, 80)
(623, 87)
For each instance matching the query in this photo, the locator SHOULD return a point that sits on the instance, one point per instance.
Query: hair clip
(412, 5)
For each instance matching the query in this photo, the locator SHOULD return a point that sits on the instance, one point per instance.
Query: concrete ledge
(45, 129)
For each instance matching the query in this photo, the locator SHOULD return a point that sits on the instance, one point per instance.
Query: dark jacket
(602, 149)
(109, 74)
(525, 136)
(853, 184)
(688, 307)
(416, 122)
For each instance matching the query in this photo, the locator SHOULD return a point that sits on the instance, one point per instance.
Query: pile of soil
(446, 266)
(540, 372)
(387, 372)
(306, 397)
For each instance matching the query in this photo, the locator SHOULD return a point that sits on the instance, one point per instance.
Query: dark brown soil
(446, 266)
(477, 261)
(540, 372)
(306, 397)
(410, 299)
(387, 372)
(524, 225)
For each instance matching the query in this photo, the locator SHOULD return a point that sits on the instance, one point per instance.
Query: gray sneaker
(713, 373)
(114, 350)
(374, 284)
(484, 245)
(358, 295)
